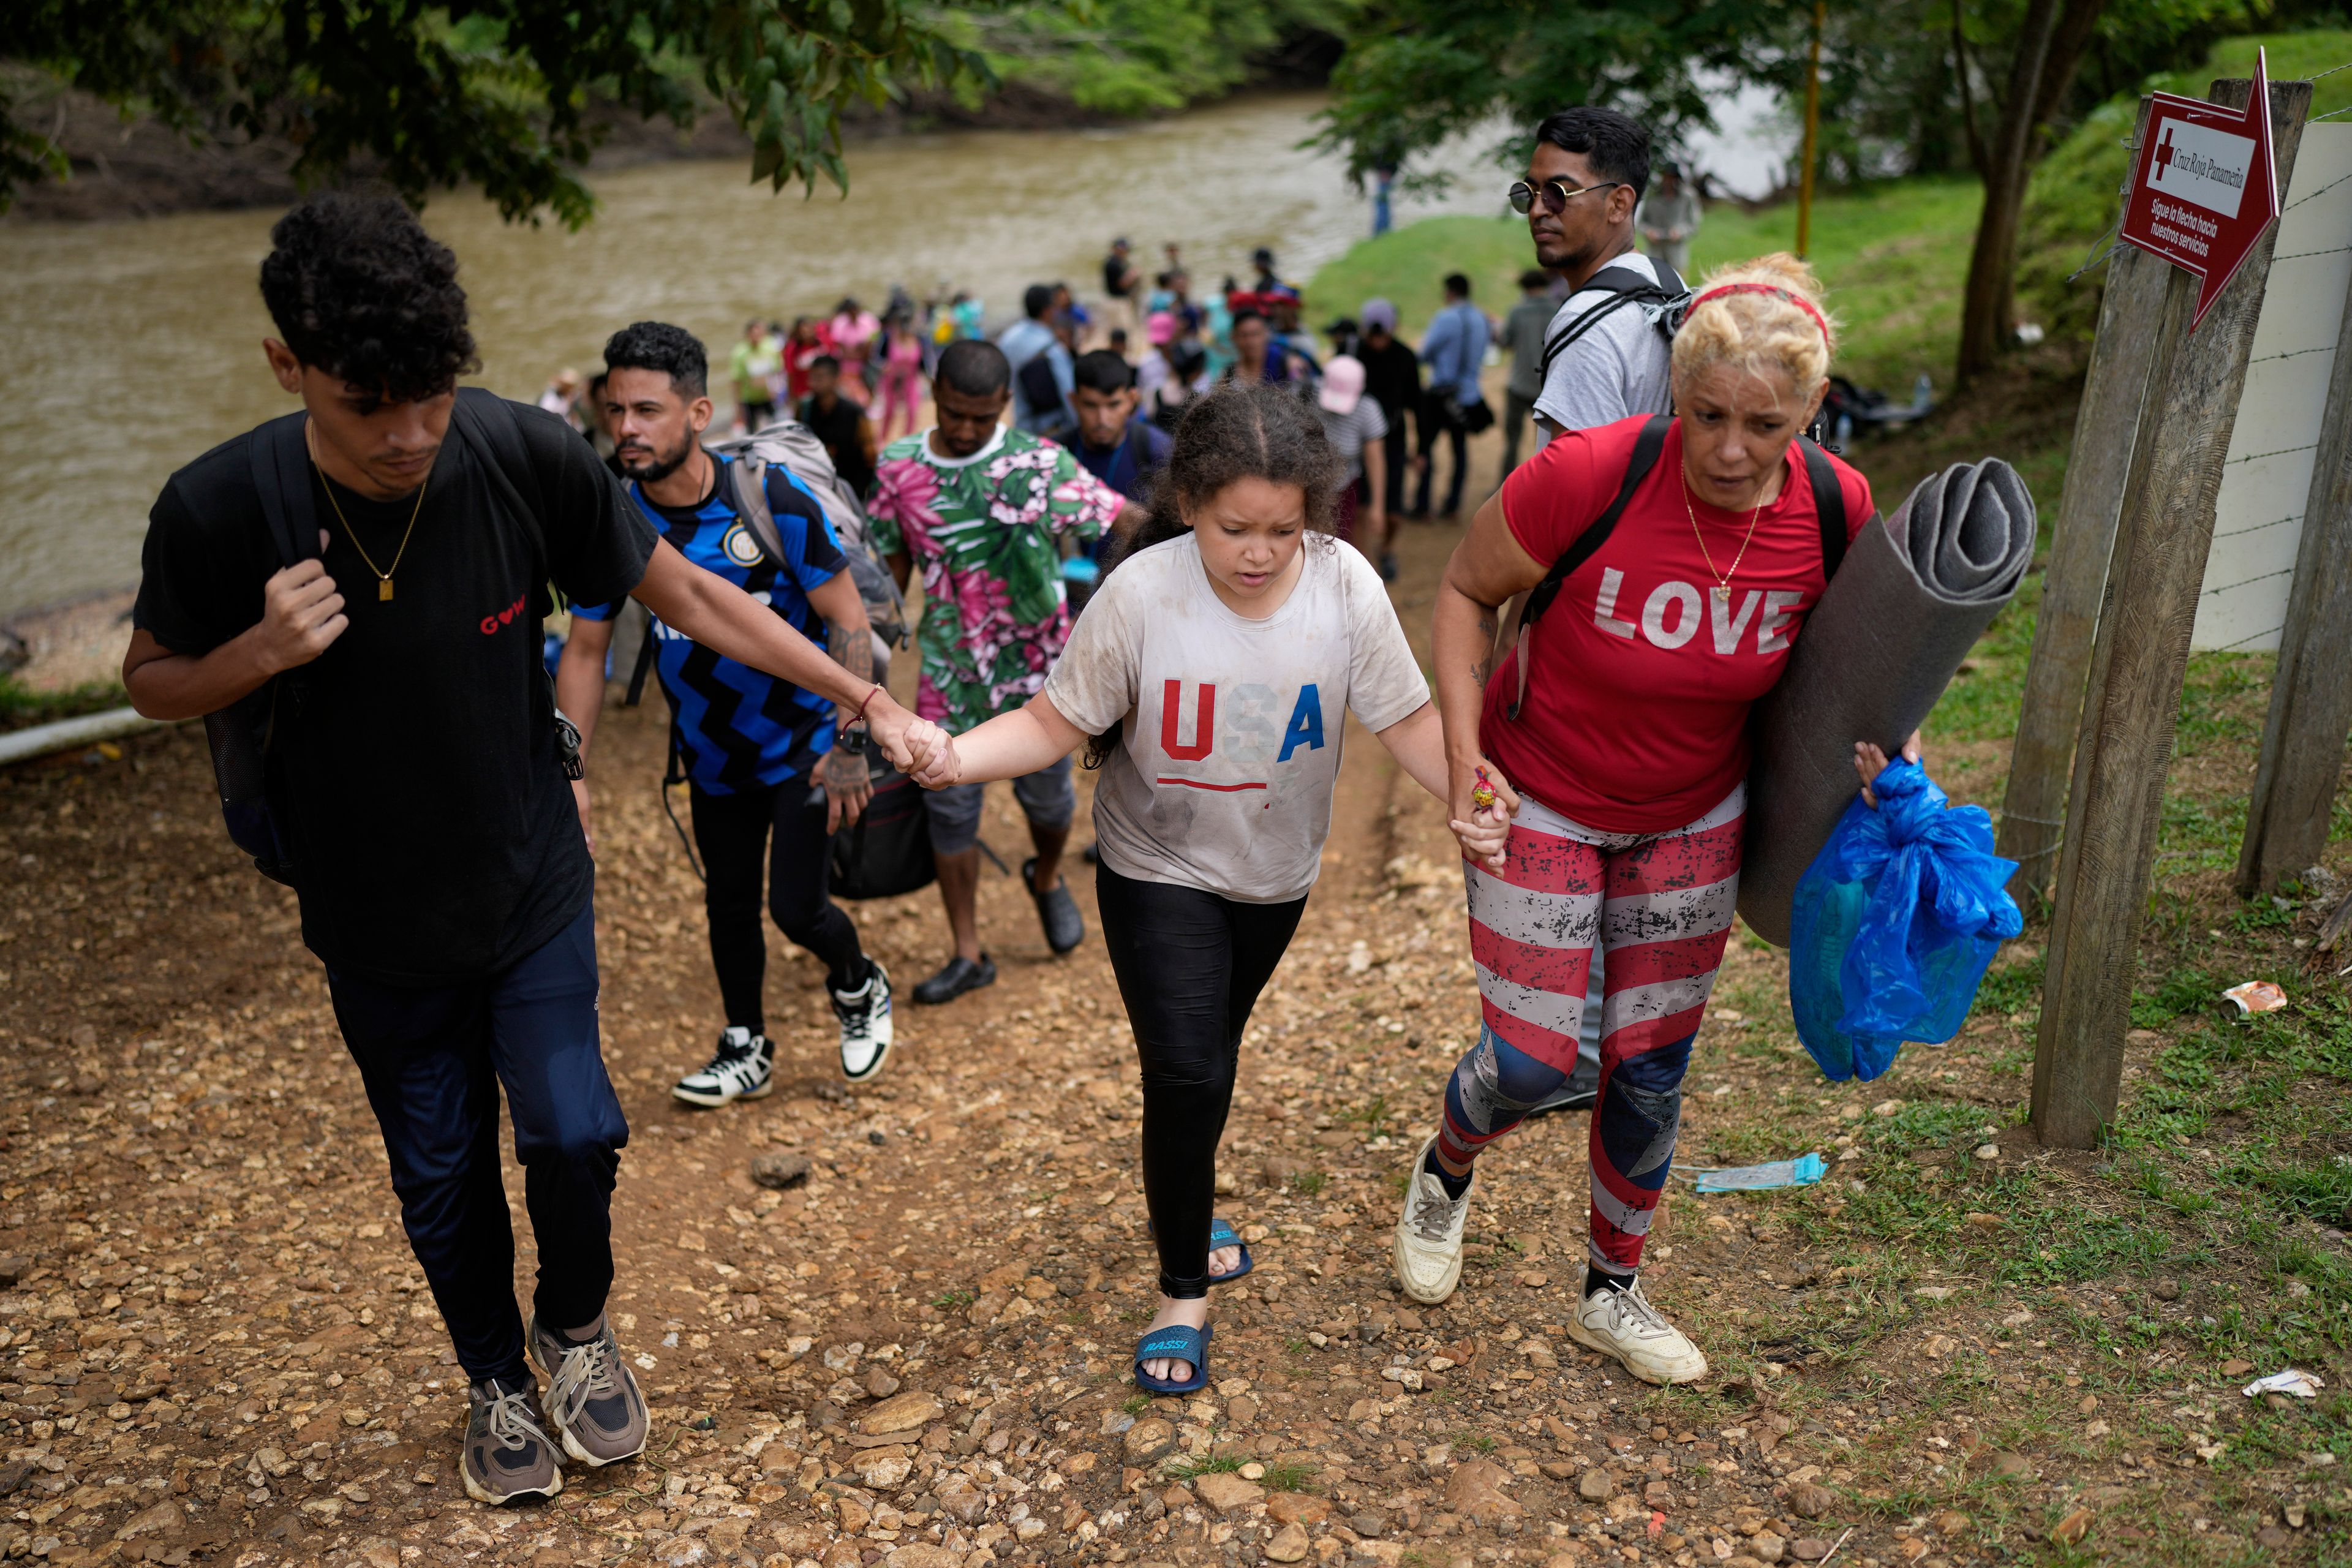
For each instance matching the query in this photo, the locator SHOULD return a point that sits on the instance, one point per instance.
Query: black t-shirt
(1392, 376)
(433, 831)
(843, 440)
(1116, 270)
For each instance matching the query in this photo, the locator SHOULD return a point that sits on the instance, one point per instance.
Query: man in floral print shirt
(980, 509)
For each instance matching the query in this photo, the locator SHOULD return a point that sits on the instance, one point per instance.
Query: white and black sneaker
(743, 1068)
(866, 1030)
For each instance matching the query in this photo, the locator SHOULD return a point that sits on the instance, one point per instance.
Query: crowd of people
(427, 787)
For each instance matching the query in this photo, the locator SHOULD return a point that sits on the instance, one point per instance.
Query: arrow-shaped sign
(2203, 188)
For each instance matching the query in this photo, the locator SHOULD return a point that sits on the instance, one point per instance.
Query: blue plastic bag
(1894, 923)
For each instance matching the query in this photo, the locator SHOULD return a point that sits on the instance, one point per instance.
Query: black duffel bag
(886, 851)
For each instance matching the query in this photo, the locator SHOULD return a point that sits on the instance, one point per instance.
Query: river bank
(141, 169)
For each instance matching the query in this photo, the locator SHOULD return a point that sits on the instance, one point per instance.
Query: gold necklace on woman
(1722, 579)
(383, 577)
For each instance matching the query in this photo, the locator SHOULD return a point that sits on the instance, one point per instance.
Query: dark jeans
(1518, 412)
(1190, 966)
(1440, 416)
(731, 831)
(432, 1061)
(1396, 453)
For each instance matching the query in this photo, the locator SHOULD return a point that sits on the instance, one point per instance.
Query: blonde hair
(1763, 326)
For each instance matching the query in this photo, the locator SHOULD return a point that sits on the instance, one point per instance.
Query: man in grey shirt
(1523, 334)
(1585, 179)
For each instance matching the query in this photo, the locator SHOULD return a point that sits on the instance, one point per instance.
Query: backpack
(239, 736)
(1665, 300)
(1829, 508)
(793, 446)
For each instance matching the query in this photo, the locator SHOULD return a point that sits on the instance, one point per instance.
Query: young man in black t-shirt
(840, 425)
(417, 785)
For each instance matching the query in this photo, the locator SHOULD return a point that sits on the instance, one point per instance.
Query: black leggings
(1189, 968)
(730, 830)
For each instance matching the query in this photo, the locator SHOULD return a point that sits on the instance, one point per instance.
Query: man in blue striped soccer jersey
(752, 746)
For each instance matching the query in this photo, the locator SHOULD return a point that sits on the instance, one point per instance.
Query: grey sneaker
(507, 1453)
(592, 1400)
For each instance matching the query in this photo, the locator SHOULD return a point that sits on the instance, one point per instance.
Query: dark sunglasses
(1556, 194)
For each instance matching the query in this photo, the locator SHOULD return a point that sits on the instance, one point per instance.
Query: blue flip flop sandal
(1222, 1234)
(1175, 1342)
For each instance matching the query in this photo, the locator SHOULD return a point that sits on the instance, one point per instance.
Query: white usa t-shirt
(1230, 728)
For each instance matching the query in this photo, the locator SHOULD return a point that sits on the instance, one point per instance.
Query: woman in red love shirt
(1615, 737)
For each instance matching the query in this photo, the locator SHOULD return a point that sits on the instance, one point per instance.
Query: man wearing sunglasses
(1605, 357)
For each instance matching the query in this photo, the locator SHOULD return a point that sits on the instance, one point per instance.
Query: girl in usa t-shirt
(1211, 678)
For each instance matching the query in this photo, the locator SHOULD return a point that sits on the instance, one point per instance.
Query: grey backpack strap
(748, 476)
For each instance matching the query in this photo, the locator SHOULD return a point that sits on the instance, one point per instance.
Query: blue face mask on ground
(1894, 923)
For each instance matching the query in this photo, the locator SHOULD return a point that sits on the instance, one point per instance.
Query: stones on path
(1474, 1492)
(1290, 1545)
(901, 1413)
(1596, 1485)
(1147, 1439)
(778, 1171)
(1809, 1500)
(1227, 1492)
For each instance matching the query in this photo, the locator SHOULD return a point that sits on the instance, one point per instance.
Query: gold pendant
(384, 591)
(1722, 592)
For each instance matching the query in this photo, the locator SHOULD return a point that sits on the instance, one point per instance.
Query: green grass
(1289, 1478)
(21, 707)
(1309, 1183)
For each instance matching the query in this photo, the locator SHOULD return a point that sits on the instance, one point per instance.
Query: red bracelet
(870, 696)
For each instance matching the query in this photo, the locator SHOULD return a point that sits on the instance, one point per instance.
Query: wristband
(870, 696)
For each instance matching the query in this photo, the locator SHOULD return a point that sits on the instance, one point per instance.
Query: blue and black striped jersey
(737, 727)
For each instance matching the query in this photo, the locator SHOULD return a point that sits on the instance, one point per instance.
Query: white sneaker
(1623, 1324)
(742, 1070)
(1428, 1235)
(866, 1030)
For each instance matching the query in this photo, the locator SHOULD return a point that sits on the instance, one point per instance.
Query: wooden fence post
(2106, 429)
(2311, 694)
(2140, 655)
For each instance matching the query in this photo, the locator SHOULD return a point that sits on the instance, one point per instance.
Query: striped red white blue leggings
(1660, 905)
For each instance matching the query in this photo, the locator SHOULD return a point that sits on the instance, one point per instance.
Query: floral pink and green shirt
(983, 528)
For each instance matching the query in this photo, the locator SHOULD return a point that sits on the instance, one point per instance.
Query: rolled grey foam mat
(1907, 604)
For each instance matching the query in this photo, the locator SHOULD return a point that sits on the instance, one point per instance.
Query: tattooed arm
(849, 637)
(1488, 566)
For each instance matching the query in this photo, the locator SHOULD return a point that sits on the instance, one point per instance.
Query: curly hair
(1234, 432)
(1265, 432)
(658, 345)
(1776, 321)
(359, 289)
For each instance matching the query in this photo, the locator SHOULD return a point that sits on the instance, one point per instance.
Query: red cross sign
(2203, 188)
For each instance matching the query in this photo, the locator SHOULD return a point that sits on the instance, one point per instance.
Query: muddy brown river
(128, 348)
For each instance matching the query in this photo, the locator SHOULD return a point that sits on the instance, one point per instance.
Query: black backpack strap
(280, 462)
(1624, 287)
(488, 423)
(1828, 504)
(1646, 448)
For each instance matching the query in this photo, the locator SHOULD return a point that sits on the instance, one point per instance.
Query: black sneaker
(1056, 911)
(962, 974)
(742, 1069)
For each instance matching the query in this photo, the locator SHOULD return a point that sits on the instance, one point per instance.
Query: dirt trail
(215, 1346)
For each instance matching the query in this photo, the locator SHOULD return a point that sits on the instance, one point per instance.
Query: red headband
(1798, 300)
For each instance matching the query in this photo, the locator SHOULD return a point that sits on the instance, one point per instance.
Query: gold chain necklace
(1722, 579)
(383, 577)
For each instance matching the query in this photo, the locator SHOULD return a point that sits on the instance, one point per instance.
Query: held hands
(301, 613)
(1869, 762)
(1482, 806)
(941, 767)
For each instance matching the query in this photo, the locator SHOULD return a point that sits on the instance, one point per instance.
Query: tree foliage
(493, 92)
(1422, 71)
(1141, 56)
